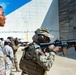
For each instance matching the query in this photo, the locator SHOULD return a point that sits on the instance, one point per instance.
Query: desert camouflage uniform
(34, 60)
(31, 65)
(2, 62)
(15, 48)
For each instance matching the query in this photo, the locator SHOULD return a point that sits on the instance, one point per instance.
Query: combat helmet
(43, 35)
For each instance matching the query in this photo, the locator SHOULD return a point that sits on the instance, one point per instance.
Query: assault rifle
(62, 43)
(55, 43)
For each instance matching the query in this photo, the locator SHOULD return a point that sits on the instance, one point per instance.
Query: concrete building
(67, 19)
(35, 14)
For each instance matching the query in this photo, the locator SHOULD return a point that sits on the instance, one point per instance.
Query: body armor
(30, 67)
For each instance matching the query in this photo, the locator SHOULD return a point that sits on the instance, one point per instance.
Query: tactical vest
(28, 65)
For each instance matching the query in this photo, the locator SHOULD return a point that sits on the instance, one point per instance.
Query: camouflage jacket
(42, 57)
(2, 62)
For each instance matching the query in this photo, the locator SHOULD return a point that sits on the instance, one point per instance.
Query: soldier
(37, 60)
(2, 23)
(1, 42)
(15, 46)
(8, 52)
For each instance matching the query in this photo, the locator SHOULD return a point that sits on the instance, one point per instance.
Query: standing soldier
(14, 45)
(1, 42)
(8, 52)
(37, 60)
(15, 48)
(2, 63)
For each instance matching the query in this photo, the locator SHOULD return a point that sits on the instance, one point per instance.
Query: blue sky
(11, 5)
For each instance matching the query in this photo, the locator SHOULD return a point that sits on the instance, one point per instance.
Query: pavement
(61, 66)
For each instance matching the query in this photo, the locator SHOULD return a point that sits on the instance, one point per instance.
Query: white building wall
(33, 15)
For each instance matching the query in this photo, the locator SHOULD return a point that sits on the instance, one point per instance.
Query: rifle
(55, 43)
(63, 44)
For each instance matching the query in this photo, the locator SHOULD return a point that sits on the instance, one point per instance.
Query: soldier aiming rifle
(35, 60)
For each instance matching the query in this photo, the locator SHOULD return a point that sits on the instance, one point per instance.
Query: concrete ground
(61, 66)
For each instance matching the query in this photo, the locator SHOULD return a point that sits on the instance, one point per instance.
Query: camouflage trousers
(15, 61)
